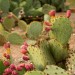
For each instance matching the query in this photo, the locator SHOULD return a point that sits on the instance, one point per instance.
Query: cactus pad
(70, 63)
(22, 25)
(34, 30)
(34, 73)
(2, 39)
(36, 57)
(62, 30)
(54, 70)
(8, 23)
(58, 50)
(44, 46)
(14, 38)
(1, 28)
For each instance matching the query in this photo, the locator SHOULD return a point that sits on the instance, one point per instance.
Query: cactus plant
(2, 39)
(9, 23)
(44, 46)
(54, 70)
(14, 38)
(47, 8)
(1, 28)
(70, 63)
(60, 25)
(34, 30)
(34, 73)
(58, 50)
(22, 25)
(35, 53)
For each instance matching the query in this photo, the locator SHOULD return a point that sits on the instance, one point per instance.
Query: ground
(15, 50)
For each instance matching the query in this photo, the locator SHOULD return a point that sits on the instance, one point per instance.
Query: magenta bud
(27, 67)
(6, 63)
(14, 73)
(12, 66)
(25, 57)
(19, 68)
(24, 47)
(52, 13)
(7, 56)
(23, 51)
(7, 45)
(25, 43)
(68, 13)
(22, 65)
(8, 71)
(47, 23)
(47, 29)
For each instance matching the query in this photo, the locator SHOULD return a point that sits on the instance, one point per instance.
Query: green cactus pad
(34, 30)
(54, 70)
(4, 6)
(70, 63)
(57, 50)
(2, 67)
(2, 39)
(22, 25)
(44, 46)
(1, 28)
(47, 8)
(8, 23)
(31, 42)
(34, 73)
(36, 57)
(14, 38)
(62, 30)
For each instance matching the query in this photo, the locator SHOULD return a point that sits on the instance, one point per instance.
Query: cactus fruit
(9, 23)
(14, 38)
(60, 25)
(34, 73)
(2, 39)
(35, 53)
(22, 25)
(58, 50)
(34, 30)
(54, 70)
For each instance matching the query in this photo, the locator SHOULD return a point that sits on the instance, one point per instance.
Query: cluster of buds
(28, 66)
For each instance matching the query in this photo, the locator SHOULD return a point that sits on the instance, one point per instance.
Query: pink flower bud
(25, 57)
(68, 13)
(6, 63)
(52, 13)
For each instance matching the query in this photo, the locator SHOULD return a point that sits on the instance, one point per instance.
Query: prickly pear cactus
(22, 25)
(44, 46)
(70, 63)
(62, 29)
(8, 23)
(1, 28)
(34, 73)
(34, 30)
(47, 8)
(2, 39)
(54, 70)
(14, 38)
(36, 56)
(58, 50)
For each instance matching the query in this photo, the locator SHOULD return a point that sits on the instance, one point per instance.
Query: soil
(15, 50)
